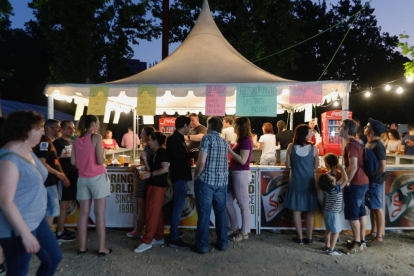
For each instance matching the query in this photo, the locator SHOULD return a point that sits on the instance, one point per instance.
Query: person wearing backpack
(354, 192)
(373, 131)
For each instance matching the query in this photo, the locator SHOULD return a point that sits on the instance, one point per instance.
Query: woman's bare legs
(85, 209)
(99, 210)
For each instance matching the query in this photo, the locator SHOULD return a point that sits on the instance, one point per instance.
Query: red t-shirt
(354, 150)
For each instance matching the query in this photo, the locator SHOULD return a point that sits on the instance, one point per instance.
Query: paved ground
(264, 254)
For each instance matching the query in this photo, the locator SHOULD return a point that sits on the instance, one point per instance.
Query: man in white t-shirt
(228, 131)
(267, 143)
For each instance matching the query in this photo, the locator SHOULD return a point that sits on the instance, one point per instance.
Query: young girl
(332, 184)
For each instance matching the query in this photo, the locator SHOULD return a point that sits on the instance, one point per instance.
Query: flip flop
(81, 253)
(103, 254)
(240, 237)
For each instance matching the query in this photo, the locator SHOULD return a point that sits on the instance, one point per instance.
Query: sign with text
(256, 101)
(147, 100)
(305, 93)
(98, 97)
(216, 100)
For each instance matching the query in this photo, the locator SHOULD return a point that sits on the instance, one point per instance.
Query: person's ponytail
(85, 123)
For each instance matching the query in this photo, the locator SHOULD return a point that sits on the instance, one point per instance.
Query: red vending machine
(167, 125)
(331, 121)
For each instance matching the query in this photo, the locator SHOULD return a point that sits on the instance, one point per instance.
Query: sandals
(103, 254)
(240, 237)
(81, 253)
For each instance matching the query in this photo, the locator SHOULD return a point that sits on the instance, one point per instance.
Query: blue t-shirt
(409, 150)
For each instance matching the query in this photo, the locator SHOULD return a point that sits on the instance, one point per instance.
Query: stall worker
(196, 134)
(47, 153)
(316, 138)
(210, 187)
(283, 138)
(180, 173)
(373, 131)
(267, 143)
(64, 146)
(407, 142)
(109, 143)
(354, 193)
(128, 139)
(228, 133)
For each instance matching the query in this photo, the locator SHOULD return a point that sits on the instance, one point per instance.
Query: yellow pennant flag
(98, 97)
(146, 100)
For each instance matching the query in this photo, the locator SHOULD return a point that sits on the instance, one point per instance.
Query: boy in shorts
(334, 199)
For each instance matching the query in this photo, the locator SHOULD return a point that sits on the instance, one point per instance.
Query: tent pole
(50, 107)
(345, 109)
(134, 140)
(291, 120)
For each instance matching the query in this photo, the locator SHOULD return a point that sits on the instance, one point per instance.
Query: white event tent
(204, 58)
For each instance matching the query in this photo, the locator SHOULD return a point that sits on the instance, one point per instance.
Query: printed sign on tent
(216, 100)
(147, 100)
(256, 101)
(305, 93)
(98, 97)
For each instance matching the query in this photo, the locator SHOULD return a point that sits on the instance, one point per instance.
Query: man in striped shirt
(210, 187)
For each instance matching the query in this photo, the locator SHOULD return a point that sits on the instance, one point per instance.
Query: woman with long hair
(23, 228)
(300, 197)
(241, 176)
(141, 184)
(393, 142)
(109, 143)
(157, 178)
(267, 143)
(93, 182)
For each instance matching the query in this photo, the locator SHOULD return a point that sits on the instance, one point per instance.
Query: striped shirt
(216, 169)
(334, 200)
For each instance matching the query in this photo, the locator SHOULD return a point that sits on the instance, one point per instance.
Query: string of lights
(386, 86)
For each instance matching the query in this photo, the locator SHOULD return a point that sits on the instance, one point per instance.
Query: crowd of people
(42, 169)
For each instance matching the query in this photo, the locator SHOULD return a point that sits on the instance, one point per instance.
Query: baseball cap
(376, 126)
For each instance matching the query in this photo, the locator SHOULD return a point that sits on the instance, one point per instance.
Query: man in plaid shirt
(211, 180)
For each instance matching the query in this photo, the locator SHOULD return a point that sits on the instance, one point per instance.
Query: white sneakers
(143, 246)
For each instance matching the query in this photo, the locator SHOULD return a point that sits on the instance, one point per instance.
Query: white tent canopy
(204, 58)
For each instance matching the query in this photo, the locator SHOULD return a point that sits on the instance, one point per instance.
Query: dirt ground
(263, 254)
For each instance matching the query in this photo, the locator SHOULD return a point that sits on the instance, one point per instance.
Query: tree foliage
(409, 51)
(90, 40)
(6, 10)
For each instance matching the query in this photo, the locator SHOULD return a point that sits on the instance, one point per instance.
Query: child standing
(332, 184)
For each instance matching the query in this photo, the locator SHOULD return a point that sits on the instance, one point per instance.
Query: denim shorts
(374, 198)
(52, 209)
(354, 196)
(332, 222)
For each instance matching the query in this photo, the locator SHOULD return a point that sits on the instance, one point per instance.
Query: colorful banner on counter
(215, 100)
(146, 100)
(399, 198)
(98, 97)
(255, 101)
(305, 93)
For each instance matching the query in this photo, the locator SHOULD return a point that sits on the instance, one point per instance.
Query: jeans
(53, 208)
(18, 260)
(206, 196)
(354, 198)
(374, 201)
(180, 193)
(240, 191)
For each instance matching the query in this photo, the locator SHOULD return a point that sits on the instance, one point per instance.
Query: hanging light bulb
(410, 78)
(336, 103)
(400, 90)
(367, 94)
(388, 87)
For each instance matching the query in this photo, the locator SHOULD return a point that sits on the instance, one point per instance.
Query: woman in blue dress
(300, 197)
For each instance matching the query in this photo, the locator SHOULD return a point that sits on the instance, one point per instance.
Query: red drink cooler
(331, 122)
(167, 125)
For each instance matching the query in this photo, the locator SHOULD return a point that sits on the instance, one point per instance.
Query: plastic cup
(126, 161)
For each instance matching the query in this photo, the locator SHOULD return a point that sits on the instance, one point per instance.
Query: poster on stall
(215, 100)
(98, 97)
(146, 100)
(273, 187)
(256, 101)
(305, 93)
(399, 199)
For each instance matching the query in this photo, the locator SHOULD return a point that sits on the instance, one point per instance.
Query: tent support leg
(345, 109)
(136, 126)
(291, 120)
(50, 107)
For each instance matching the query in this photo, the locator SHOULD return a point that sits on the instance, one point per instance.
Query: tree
(5, 11)
(89, 40)
(407, 50)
